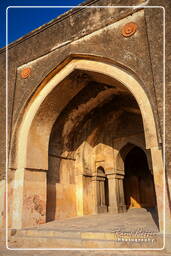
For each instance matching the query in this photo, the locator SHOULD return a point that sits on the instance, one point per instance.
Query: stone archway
(32, 136)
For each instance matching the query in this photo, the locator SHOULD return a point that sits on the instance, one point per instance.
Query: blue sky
(23, 20)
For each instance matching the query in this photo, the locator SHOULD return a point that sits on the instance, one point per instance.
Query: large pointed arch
(25, 139)
(81, 64)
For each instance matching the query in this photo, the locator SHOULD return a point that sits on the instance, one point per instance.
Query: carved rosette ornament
(25, 73)
(129, 29)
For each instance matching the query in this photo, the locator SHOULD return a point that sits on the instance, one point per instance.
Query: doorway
(138, 182)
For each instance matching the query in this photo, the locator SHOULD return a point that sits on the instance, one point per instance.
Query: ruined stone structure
(85, 111)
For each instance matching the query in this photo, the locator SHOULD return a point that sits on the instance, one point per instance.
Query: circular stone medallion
(129, 29)
(25, 72)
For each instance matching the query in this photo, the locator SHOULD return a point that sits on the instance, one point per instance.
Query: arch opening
(81, 137)
(59, 135)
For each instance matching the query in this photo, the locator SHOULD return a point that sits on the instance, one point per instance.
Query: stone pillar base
(122, 208)
(102, 209)
(112, 209)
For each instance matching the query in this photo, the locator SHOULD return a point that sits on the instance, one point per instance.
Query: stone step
(44, 242)
(46, 233)
(57, 239)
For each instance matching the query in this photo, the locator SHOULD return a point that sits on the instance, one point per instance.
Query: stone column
(80, 194)
(95, 185)
(113, 195)
(102, 193)
(121, 204)
(116, 193)
(159, 181)
(17, 202)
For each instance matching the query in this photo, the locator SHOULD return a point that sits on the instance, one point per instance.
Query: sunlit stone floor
(130, 221)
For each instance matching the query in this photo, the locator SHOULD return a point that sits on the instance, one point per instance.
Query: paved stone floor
(6, 252)
(129, 221)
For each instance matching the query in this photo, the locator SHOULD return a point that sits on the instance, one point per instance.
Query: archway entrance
(138, 182)
(55, 116)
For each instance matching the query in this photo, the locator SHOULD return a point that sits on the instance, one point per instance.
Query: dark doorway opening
(138, 182)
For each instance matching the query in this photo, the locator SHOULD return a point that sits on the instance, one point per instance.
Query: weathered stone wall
(130, 51)
(49, 46)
